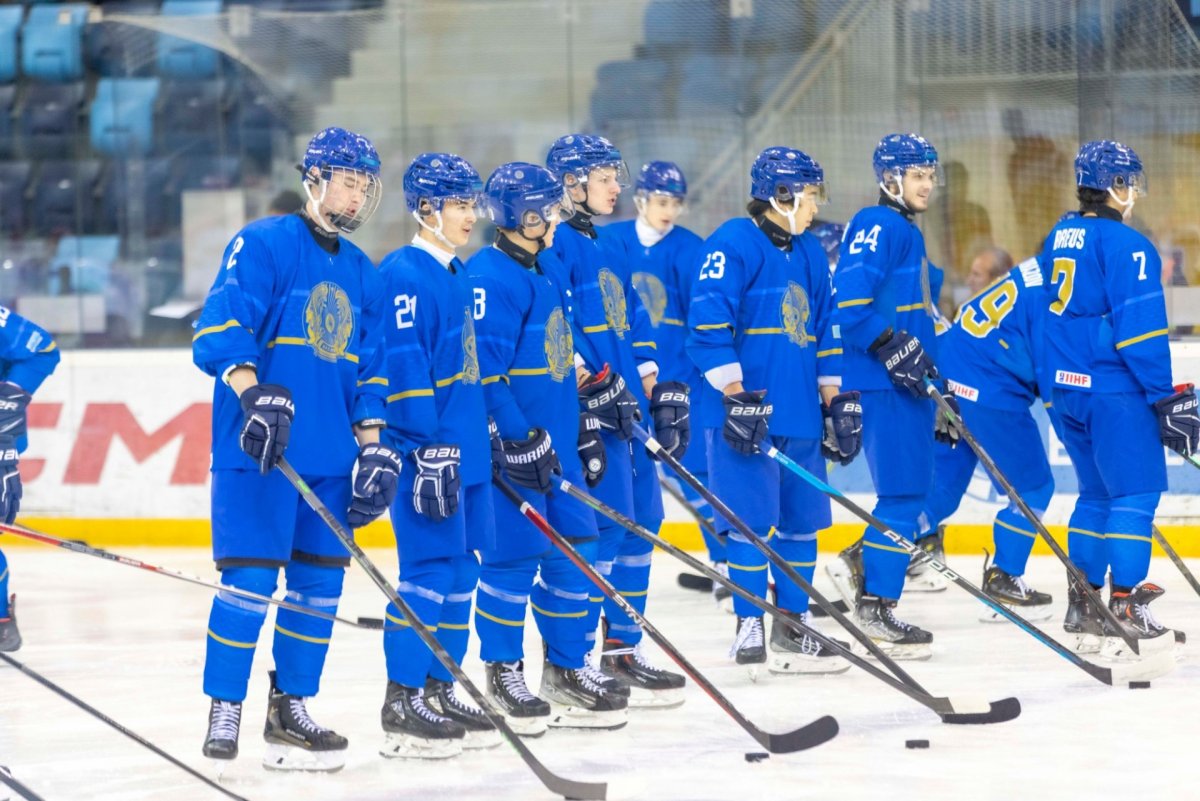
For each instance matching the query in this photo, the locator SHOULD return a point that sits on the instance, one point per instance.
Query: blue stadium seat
(715, 85)
(49, 118)
(52, 42)
(257, 118)
(123, 116)
(10, 23)
(184, 58)
(208, 172)
(65, 196)
(14, 182)
(119, 49)
(82, 264)
(673, 26)
(157, 195)
(631, 90)
(8, 97)
(191, 115)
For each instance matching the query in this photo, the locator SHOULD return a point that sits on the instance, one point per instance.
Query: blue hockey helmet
(781, 173)
(578, 154)
(354, 201)
(438, 177)
(896, 152)
(1107, 165)
(519, 195)
(663, 178)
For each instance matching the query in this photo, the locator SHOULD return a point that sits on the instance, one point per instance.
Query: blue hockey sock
(1127, 537)
(500, 605)
(1085, 538)
(631, 577)
(562, 606)
(606, 550)
(1014, 535)
(3, 585)
(884, 562)
(233, 627)
(302, 641)
(800, 551)
(747, 569)
(716, 548)
(454, 628)
(424, 586)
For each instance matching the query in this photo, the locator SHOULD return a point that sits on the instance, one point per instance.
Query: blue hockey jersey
(434, 389)
(28, 354)
(308, 320)
(878, 284)
(771, 312)
(1106, 330)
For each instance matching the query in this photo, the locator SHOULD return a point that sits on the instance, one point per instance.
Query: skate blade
(220, 767)
(1116, 650)
(725, 604)
(1146, 669)
(283, 757)
(900, 653)
(482, 739)
(842, 577)
(564, 716)
(926, 583)
(641, 698)
(1034, 614)
(789, 664)
(405, 746)
(1083, 643)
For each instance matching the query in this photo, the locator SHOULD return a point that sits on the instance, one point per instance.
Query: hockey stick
(1093, 597)
(702, 521)
(1173, 555)
(656, 448)
(96, 713)
(1148, 667)
(79, 547)
(6, 777)
(808, 736)
(565, 787)
(950, 710)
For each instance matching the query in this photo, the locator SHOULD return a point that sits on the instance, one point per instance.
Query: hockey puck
(757, 756)
(1139, 685)
(916, 743)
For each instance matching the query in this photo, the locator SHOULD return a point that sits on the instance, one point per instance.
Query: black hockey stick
(6, 777)
(702, 521)
(1093, 597)
(565, 787)
(96, 713)
(948, 709)
(88, 550)
(1148, 667)
(1173, 555)
(819, 731)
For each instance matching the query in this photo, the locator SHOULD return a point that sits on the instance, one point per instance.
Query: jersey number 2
(1064, 269)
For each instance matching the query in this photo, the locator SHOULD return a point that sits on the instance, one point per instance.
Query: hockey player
(616, 345)
(436, 417)
(1107, 352)
(292, 331)
(523, 312)
(660, 255)
(761, 331)
(28, 355)
(886, 300)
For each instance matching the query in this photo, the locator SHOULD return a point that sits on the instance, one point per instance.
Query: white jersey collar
(442, 256)
(647, 234)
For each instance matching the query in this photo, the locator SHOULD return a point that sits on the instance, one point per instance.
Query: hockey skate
(525, 713)
(10, 635)
(722, 595)
(920, 576)
(1132, 611)
(224, 723)
(413, 730)
(649, 687)
(1082, 622)
(295, 741)
(899, 640)
(846, 573)
(579, 702)
(1012, 592)
(480, 733)
(748, 648)
(793, 651)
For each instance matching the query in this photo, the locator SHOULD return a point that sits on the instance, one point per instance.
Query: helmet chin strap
(437, 232)
(1126, 205)
(318, 207)
(791, 215)
(540, 241)
(899, 197)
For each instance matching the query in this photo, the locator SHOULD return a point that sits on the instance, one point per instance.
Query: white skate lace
(226, 717)
(594, 674)
(1147, 617)
(456, 702)
(749, 635)
(422, 710)
(589, 681)
(513, 681)
(808, 645)
(895, 621)
(301, 717)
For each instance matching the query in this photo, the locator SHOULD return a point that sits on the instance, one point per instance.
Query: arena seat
(65, 195)
(185, 58)
(52, 42)
(122, 121)
(14, 182)
(49, 117)
(10, 24)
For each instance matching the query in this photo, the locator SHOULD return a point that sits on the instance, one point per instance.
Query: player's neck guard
(1105, 212)
(327, 240)
(779, 237)
(581, 221)
(517, 253)
(887, 200)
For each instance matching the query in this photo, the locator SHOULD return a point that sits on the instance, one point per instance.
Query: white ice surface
(132, 643)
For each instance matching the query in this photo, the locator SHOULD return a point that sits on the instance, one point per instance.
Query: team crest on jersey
(470, 368)
(560, 347)
(795, 311)
(328, 321)
(614, 302)
(653, 294)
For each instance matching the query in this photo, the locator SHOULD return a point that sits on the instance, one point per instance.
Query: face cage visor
(641, 200)
(347, 197)
(547, 214)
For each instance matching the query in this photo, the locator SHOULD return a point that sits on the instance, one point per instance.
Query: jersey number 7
(1064, 269)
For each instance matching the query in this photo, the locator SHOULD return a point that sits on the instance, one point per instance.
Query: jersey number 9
(994, 307)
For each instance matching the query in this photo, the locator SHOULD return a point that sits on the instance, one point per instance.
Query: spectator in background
(989, 264)
(955, 226)
(286, 202)
(1037, 173)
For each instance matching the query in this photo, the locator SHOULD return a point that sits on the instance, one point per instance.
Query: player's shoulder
(683, 238)
(876, 215)
(271, 231)
(1120, 237)
(622, 231)
(1028, 274)
(736, 230)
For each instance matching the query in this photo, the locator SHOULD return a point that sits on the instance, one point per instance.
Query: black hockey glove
(497, 448)
(13, 403)
(10, 479)
(591, 449)
(606, 396)
(1178, 422)
(268, 425)
(746, 418)
(532, 462)
(376, 474)
(943, 430)
(435, 489)
(905, 360)
(669, 405)
(843, 428)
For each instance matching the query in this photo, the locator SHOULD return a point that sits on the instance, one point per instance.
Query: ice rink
(131, 643)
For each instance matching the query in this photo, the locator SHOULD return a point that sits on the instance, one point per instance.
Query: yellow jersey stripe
(445, 382)
(350, 357)
(492, 379)
(645, 345)
(1124, 343)
(712, 326)
(52, 346)
(672, 321)
(763, 331)
(411, 393)
(845, 304)
(910, 307)
(829, 352)
(595, 329)
(230, 643)
(376, 380)
(529, 371)
(216, 329)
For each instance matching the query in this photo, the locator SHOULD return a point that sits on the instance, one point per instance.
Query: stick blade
(690, 581)
(820, 731)
(1001, 711)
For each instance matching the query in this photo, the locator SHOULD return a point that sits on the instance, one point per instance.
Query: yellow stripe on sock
(640, 594)
(304, 637)
(399, 621)
(500, 620)
(230, 643)
(747, 568)
(1111, 536)
(880, 547)
(541, 611)
(1085, 533)
(803, 564)
(596, 600)
(454, 626)
(1032, 535)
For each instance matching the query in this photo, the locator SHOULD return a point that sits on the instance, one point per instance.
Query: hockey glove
(10, 479)
(669, 407)
(606, 396)
(497, 448)
(376, 474)
(591, 449)
(268, 425)
(1178, 421)
(943, 430)
(532, 462)
(905, 360)
(746, 418)
(843, 428)
(435, 489)
(13, 402)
